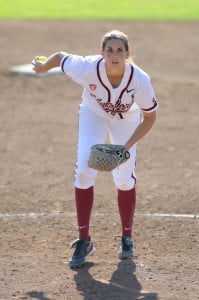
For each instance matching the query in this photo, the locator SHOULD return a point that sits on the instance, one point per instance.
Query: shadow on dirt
(123, 284)
(37, 295)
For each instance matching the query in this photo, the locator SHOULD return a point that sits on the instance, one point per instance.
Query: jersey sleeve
(78, 67)
(145, 96)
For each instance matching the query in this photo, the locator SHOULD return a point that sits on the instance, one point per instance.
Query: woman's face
(115, 54)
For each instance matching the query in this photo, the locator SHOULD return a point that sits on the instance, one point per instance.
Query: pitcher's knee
(84, 180)
(123, 184)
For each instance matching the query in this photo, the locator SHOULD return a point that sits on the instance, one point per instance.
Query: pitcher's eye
(111, 50)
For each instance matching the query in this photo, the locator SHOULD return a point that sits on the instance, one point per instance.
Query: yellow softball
(41, 58)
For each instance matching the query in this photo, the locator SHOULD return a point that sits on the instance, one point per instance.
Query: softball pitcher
(118, 100)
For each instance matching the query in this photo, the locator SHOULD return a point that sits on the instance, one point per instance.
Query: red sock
(126, 205)
(84, 204)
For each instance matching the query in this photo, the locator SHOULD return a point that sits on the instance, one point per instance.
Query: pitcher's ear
(128, 53)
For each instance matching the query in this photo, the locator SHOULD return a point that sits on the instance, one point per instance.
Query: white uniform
(107, 110)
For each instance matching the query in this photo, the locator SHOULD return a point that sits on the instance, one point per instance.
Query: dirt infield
(38, 134)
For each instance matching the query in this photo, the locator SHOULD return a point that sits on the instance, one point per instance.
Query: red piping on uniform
(130, 77)
(155, 104)
(122, 92)
(62, 65)
(98, 74)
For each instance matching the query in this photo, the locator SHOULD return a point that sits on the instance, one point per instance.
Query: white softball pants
(94, 129)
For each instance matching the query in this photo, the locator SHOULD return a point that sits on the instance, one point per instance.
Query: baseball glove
(106, 157)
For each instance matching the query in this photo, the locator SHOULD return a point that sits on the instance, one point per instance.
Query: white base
(27, 70)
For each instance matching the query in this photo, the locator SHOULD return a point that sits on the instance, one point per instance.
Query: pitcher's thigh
(124, 176)
(92, 130)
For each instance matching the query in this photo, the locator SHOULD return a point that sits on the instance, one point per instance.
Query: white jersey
(134, 92)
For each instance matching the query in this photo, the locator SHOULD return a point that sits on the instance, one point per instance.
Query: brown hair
(115, 34)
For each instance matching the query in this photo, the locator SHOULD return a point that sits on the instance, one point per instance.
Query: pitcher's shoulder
(140, 72)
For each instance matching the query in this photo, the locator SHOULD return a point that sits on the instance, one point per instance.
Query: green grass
(100, 9)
